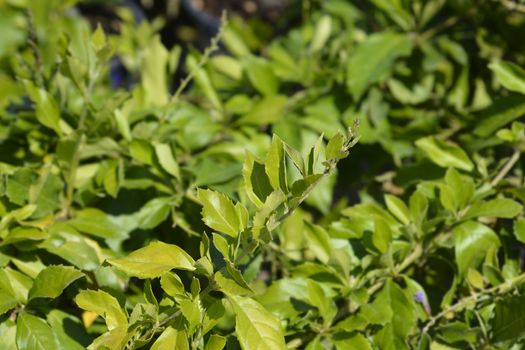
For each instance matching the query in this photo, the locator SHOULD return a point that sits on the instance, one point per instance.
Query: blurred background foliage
(113, 112)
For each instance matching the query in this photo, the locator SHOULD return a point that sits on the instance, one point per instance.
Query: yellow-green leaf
(510, 75)
(445, 154)
(220, 214)
(103, 304)
(52, 280)
(33, 333)
(256, 327)
(153, 260)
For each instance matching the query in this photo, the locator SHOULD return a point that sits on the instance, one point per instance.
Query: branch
(508, 167)
(214, 46)
(476, 298)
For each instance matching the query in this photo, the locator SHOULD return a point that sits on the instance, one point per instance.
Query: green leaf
(275, 165)
(142, 151)
(220, 214)
(509, 319)
(268, 110)
(510, 75)
(222, 245)
(256, 182)
(7, 301)
(153, 260)
(318, 242)
(472, 240)
(78, 250)
(114, 339)
(33, 333)
(47, 110)
(382, 235)
(445, 154)
(69, 330)
(373, 60)
(230, 281)
(15, 284)
(166, 159)
(234, 42)
(52, 280)
(349, 341)
(260, 75)
(171, 339)
(154, 72)
(519, 229)
(172, 284)
(315, 344)
(352, 323)
(153, 213)
(457, 192)
(499, 207)
(45, 193)
(302, 187)
(322, 32)
(393, 336)
(256, 327)
(104, 305)
(318, 298)
(503, 111)
(418, 204)
(398, 208)
(29, 264)
(215, 342)
(122, 124)
(475, 279)
(20, 234)
(98, 39)
(204, 82)
(313, 156)
(18, 185)
(335, 147)
(397, 10)
(267, 212)
(191, 312)
(8, 339)
(212, 315)
(97, 223)
(228, 66)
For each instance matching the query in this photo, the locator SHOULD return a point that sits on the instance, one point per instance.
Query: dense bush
(234, 209)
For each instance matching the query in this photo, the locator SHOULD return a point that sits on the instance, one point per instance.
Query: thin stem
(433, 31)
(410, 259)
(476, 298)
(214, 46)
(169, 318)
(78, 144)
(508, 166)
(33, 44)
(407, 262)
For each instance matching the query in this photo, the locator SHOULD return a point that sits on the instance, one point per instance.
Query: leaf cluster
(354, 183)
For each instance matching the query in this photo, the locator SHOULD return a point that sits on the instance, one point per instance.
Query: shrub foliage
(236, 208)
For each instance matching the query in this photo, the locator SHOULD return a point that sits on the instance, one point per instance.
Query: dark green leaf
(509, 319)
